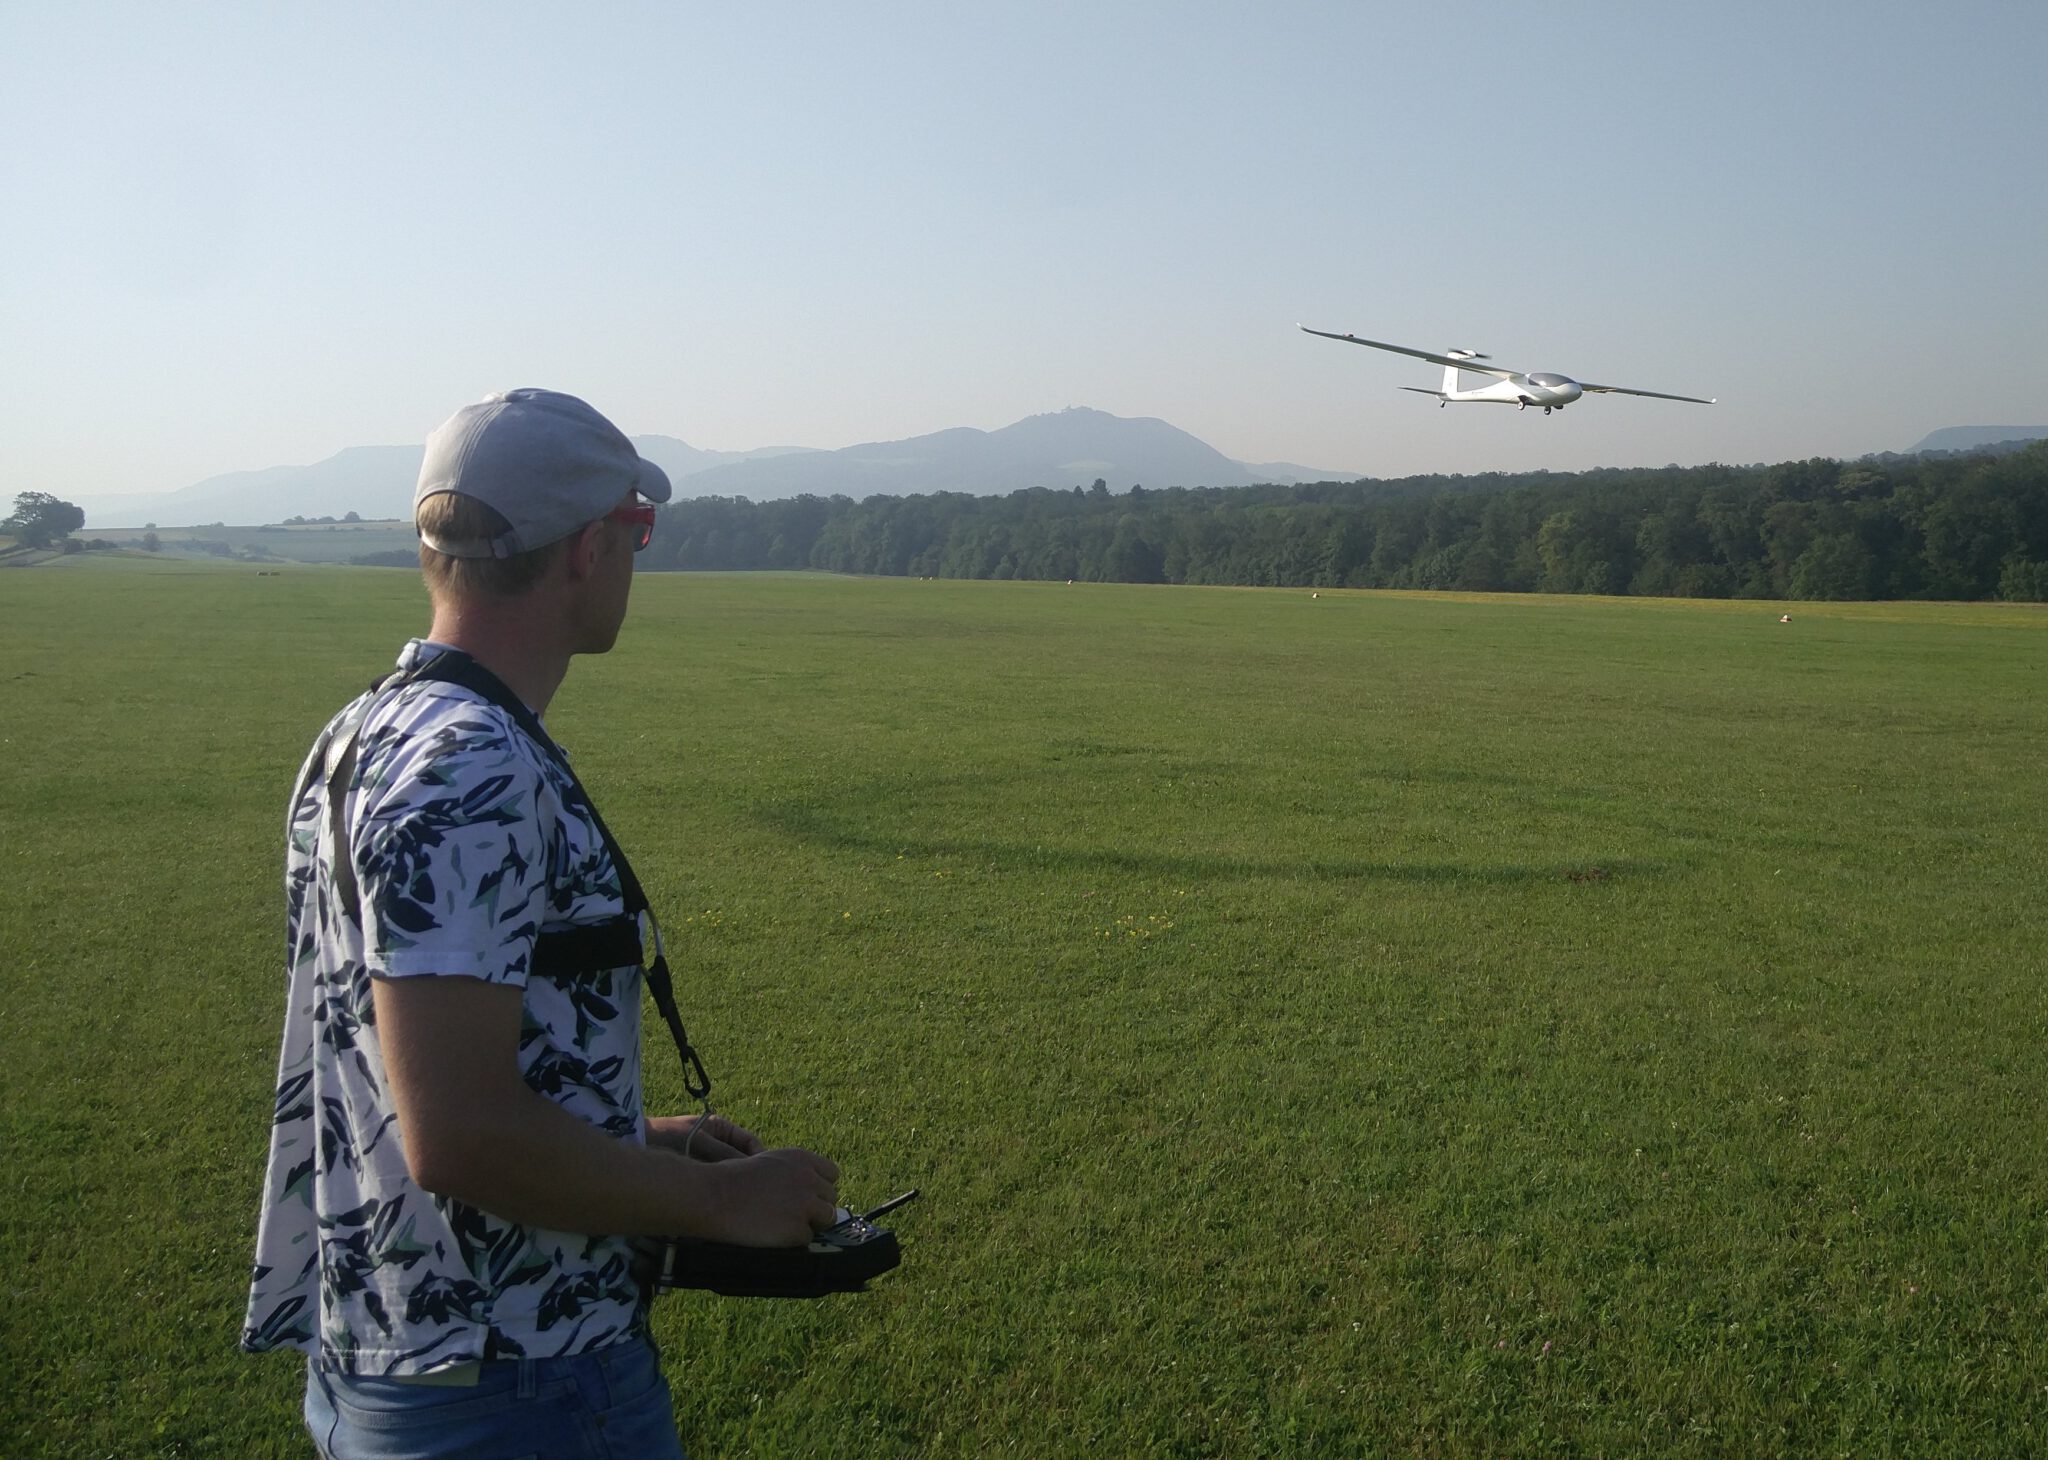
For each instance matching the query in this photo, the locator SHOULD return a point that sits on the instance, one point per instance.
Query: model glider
(1542, 388)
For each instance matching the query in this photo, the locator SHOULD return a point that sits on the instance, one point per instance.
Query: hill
(1066, 448)
(1970, 438)
(1061, 449)
(371, 481)
(374, 482)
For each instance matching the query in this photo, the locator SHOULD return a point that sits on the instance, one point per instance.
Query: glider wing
(1470, 363)
(1654, 394)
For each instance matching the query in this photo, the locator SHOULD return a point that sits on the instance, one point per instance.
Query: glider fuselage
(1541, 388)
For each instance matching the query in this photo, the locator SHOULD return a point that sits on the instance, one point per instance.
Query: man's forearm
(528, 1160)
(474, 1131)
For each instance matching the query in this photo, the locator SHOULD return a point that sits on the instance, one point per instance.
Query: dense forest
(1931, 526)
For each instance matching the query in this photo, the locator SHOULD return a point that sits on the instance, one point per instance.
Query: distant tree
(1130, 559)
(351, 517)
(1562, 544)
(1835, 566)
(40, 519)
(2023, 582)
(1967, 533)
(151, 542)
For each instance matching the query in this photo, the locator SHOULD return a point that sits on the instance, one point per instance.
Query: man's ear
(584, 547)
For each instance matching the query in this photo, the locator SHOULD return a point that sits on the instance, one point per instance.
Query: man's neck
(530, 670)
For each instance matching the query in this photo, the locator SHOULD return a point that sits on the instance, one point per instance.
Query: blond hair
(451, 517)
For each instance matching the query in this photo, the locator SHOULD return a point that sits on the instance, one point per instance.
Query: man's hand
(775, 1199)
(702, 1137)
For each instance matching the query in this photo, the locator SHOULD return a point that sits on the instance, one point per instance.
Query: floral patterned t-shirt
(467, 840)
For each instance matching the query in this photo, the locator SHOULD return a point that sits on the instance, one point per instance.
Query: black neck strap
(452, 666)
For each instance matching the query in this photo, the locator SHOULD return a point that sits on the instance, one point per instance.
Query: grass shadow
(848, 825)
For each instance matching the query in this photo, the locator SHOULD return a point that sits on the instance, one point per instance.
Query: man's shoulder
(431, 741)
(449, 724)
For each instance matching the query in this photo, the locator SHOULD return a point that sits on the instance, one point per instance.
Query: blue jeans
(608, 1404)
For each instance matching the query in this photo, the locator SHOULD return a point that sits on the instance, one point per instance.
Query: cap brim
(652, 482)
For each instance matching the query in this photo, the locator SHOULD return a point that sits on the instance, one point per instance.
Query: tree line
(1937, 526)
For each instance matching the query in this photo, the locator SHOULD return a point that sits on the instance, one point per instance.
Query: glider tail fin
(1451, 385)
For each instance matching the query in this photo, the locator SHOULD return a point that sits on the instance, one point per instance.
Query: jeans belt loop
(455, 1376)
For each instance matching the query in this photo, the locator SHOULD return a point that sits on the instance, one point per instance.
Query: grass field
(1370, 1024)
(310, 542)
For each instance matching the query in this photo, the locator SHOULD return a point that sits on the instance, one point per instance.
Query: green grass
(1375, 1024)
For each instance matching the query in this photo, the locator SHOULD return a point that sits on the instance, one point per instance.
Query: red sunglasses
(639, 517)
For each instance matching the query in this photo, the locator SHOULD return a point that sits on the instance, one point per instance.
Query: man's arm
(473, 1131)
(709, 1137)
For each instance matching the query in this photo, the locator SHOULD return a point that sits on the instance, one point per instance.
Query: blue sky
(245, 236)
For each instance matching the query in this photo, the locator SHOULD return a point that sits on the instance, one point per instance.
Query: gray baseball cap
(545, 461)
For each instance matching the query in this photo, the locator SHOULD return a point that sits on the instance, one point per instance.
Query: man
(459, 1159)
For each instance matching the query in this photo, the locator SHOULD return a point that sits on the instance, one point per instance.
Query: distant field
(1369, 1024)
(339, 542)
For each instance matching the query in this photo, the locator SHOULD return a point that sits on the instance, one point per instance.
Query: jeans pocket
(631, 1370)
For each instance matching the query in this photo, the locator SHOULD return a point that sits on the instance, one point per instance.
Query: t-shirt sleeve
(450, 858)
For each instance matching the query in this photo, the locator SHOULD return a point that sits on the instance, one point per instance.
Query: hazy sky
(238, 236)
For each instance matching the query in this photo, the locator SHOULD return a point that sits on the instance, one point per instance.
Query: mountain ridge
(1971, 438)
(1062, 448)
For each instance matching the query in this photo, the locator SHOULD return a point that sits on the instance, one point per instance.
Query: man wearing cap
(459, 1159)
